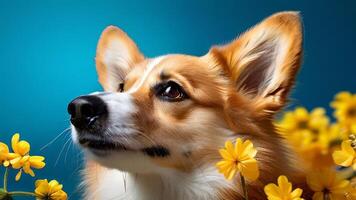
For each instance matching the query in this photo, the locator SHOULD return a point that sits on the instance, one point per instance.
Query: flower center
(326, 193)
(351, 112)
(303, 124)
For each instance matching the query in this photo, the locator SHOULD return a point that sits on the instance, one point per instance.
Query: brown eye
(121, 87)
(170, 91)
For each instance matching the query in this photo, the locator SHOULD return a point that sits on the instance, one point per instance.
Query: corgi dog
(155, 131)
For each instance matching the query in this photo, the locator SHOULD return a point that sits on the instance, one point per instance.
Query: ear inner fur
(263, 62)
(115, 57)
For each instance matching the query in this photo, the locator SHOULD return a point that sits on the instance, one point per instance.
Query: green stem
(5, 178)
(244, 187)
(21, 193)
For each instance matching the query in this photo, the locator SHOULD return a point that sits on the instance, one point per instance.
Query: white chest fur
(201, 185)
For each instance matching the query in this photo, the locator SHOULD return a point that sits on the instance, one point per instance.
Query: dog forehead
(189, 71)
(179, 62)
(154, 67)
(143, 73)
(167, 63)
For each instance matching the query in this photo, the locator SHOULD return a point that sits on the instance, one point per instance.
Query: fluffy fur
(234, 91)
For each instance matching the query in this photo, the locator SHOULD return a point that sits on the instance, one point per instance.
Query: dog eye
(121, 87)
(171, 91)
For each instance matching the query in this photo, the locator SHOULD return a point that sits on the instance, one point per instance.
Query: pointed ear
(116, 54)
(263, 62)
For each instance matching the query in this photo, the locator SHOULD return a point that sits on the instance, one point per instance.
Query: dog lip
(102, 144)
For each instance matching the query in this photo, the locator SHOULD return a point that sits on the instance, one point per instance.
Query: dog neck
(113, 184)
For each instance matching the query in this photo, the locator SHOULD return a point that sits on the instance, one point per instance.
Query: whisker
(131, 126)
(60, 153)
(148, 138)
(56, 138)
(69, 147)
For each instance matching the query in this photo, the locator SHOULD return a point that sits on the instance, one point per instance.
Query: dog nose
(85, 110)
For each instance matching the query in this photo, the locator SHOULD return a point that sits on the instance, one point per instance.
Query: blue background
(47, 53)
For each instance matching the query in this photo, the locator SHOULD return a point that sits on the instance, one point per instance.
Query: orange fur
(223, 94)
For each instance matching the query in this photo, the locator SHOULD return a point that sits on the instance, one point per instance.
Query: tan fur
(109, 35)
(221, 97)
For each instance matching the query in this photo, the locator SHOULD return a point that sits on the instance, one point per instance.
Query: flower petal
(4, 149)
(342, 158)
(346, 147)
(229, 145)
(23, 147)
(318, 196)
(340, 186)
(231, 173)
(249, 169)
(39, 182)
(14, 140)
(224, 165)
(226, 155)
(42, 188)
(284, 184)
(272, 190)
(16, 162)
(54, 186)
(296, 193)
(59, 195)
(18, 175)
(37, 162)
(6, 163)
(11, 156)
(248, 149)
(238, 147)
(301, 113)
(314, 182)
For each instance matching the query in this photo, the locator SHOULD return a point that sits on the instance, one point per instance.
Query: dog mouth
(101, 144)
(102, 147)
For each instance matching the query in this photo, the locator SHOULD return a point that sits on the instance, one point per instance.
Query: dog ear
(116, 54)
(263, 62)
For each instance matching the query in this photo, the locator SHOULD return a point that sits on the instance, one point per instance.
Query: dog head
(176, 111)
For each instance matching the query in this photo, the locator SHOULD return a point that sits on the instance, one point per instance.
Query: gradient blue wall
(47, 53)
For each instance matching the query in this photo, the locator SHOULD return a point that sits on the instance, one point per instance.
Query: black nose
(85, 110)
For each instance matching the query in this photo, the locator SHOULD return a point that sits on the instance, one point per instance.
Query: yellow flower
(346, 156)
(4, 151)
(318, 154)
(326, 183)
(22, 147)
(49, 191)
(345, 109)
(283, 191)
(22, 160)
(239, 158)
(311, 136)
(337, 132)
(301, 127)
(5, 155)
(25, 163)
(315, 156)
